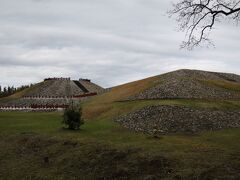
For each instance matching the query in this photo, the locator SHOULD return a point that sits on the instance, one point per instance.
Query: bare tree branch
(197, 18)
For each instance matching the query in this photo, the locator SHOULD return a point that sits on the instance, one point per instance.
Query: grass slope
(228, 85)
(103, 103)
(20, 94)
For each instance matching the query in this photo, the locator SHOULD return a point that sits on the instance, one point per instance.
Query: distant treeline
(9, 90)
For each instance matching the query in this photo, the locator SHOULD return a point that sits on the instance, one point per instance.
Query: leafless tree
(197, 18)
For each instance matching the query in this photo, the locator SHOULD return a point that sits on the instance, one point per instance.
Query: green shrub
(72, 118)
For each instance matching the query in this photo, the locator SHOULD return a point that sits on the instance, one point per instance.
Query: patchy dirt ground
(38, 157)
(33, 156)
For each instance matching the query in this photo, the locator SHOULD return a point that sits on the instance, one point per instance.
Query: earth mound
(56, 87)
(192, 84)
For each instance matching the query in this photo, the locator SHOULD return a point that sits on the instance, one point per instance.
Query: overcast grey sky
(108, 41)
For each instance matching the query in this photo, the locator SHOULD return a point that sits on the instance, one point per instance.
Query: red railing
(35, 106)
(85, 95)
(61, 97)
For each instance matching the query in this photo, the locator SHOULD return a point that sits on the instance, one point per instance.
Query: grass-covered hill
(34, 145)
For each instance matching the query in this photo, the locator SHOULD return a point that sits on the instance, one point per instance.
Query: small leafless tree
(197, 18)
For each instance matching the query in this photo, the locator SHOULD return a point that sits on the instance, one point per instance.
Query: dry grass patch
(102, 103)
(233, 86)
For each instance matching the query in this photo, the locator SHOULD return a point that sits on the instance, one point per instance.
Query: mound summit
(193, 84)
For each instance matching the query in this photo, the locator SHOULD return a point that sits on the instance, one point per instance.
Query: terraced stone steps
(81, 86)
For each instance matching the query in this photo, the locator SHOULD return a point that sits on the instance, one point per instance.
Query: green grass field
(104, 149)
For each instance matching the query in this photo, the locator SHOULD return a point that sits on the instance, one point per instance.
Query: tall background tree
(198, 17)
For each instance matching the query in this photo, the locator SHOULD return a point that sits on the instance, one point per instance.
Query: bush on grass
(72, 117)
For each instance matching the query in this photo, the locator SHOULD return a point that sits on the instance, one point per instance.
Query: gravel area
(175, 119)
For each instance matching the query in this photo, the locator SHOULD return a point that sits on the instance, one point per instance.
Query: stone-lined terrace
(54, 93)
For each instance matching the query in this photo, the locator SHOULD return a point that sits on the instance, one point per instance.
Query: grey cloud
(109, 41)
